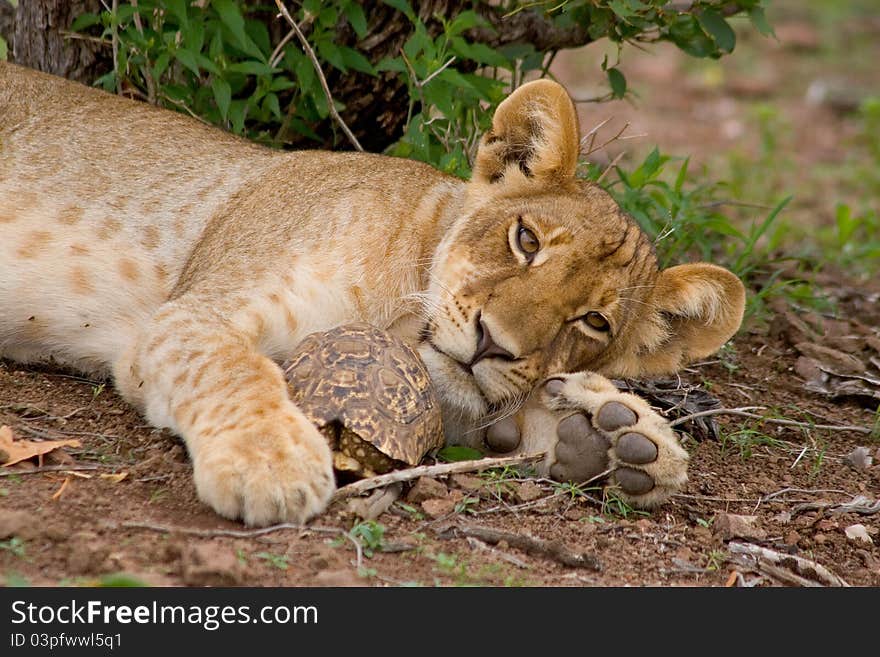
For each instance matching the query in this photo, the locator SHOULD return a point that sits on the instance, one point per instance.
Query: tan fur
(184, 261)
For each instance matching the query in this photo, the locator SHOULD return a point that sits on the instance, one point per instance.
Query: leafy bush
(226, 62)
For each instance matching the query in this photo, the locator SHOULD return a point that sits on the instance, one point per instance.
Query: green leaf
(188, 59)
(236, 115)
(479, 52)
(620, 8)
(305, 73)
(759, 20)
(357, 19)
(452, 453)
(330, 52)
(222, 95)
(403, 7)
(354, 59)
(83, 21)
(3, 49)
(250, 67)
(161, 64)
(231, 17)
(177, 8)
(617, 81)
(718, 28)
(272, 104)
(120, 580)
(463, 22)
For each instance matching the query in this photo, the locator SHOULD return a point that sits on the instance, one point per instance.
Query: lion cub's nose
(486, 347)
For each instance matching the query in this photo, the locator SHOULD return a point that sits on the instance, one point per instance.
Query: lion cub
(186, 262)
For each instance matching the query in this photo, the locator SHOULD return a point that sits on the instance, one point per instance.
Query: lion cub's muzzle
(486, 346)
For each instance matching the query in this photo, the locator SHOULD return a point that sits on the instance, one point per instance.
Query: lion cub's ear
(698, 307)
(534, 134)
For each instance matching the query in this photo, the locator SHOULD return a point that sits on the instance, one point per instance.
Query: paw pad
(503, 436)
(582, 452)
(634, 482)
(614, 415)
(554, 387)
(635, 448)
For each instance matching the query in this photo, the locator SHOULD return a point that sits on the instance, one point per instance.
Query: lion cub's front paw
(282, 473)
(591, 430)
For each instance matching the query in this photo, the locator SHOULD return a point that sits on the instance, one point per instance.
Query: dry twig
(409, 474)
(314, 59)
(49, 468)
(234, 533)
(551, 549)
(787, 568)
(742, 412)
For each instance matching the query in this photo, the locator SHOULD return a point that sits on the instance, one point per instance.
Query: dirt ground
(800, 492)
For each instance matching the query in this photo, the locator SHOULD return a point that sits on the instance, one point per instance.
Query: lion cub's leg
(255, 456)
(587, 428)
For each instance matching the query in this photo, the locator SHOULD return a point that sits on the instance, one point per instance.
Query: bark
(39, 40)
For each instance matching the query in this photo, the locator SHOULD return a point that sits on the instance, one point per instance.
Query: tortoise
(369, 394)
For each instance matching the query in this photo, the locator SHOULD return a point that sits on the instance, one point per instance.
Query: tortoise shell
(358, 382)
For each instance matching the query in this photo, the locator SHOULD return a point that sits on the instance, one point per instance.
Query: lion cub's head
(543, 273)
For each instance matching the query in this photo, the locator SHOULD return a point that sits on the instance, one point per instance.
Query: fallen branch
(742, 412)
(551, 549)
(331, 105)
(49, 468)
(787, 568)
(234, 533)
(409, 474)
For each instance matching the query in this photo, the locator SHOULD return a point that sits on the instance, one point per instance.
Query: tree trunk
(40, 42)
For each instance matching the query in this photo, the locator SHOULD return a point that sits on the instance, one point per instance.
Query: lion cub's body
(102, 201)
(184, 261)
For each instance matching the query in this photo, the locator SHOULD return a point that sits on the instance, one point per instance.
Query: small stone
(826, 524)
(820, 538)
(438, 507)
(860, 458)
(456, 495)
(573, 513)
(731, 525)
(85, 557)
(58, 457)
(832, 359)
(528, 491)
(210, 564)
(342, 577)
(792, 538)
(858, 533)
(468, 482)
(425, 488)
(13, 523)
(807, 368)
(782, 518)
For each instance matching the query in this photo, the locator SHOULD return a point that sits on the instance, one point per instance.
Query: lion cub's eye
(527, 242)
(596, 321)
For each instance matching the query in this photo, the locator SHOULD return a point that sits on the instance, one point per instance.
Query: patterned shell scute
(370, 382)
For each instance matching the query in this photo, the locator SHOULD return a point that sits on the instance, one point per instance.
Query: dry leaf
(115, 478)
(858, 533)
(860, 458)
(22, 449)
(57, 494)
(731, 581)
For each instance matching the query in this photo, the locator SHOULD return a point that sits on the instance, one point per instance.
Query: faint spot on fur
(80, 282)
(128, 269)
(150, 239)
(79, 250)
(33, 244)
(161, 273)
(71, 215)
(109, 227)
